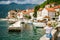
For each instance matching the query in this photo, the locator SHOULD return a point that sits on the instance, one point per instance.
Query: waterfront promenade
(58, 36)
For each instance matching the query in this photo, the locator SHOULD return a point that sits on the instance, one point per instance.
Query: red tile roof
(27, 12)
(51, 9)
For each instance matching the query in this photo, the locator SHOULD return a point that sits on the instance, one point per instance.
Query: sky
(21, 1)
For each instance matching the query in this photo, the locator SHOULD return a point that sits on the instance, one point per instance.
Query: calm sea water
(24, 35)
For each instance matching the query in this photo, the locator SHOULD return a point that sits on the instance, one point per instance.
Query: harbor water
(26, 34)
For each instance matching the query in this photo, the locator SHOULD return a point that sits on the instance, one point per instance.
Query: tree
(35, 10)
(49, 2)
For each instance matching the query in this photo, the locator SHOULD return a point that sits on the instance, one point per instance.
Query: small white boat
(39, 24)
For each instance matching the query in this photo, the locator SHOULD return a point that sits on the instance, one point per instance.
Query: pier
(16, 26)
(9, 20)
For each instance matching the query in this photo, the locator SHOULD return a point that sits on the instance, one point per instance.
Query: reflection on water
(27, 34)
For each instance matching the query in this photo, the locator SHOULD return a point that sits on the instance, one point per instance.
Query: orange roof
(57, 7)
(30, 10)
(25, 12)
(51, 9)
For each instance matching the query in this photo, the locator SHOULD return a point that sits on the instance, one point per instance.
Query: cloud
(22, 1)
(5, 2)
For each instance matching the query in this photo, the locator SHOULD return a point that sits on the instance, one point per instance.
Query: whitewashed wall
(21, 15)
(52, 14)
(44, 12)
(57, 10)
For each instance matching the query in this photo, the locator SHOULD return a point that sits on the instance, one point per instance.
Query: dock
(9, 20)
(39, 24)
(16, 26)
(3, 19)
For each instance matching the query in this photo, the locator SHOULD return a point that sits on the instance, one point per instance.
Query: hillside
(49, 2)
(56, 2)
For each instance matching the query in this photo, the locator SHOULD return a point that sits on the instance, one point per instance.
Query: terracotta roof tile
(51, 9)
(27, 12)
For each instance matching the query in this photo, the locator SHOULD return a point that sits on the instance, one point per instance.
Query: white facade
(51, 14)
(59, 18)
(19, 15)
(40, 18)
(44, 12)
(57, 10)
(39, 13)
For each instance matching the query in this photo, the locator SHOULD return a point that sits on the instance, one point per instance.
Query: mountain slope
(49, 2)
